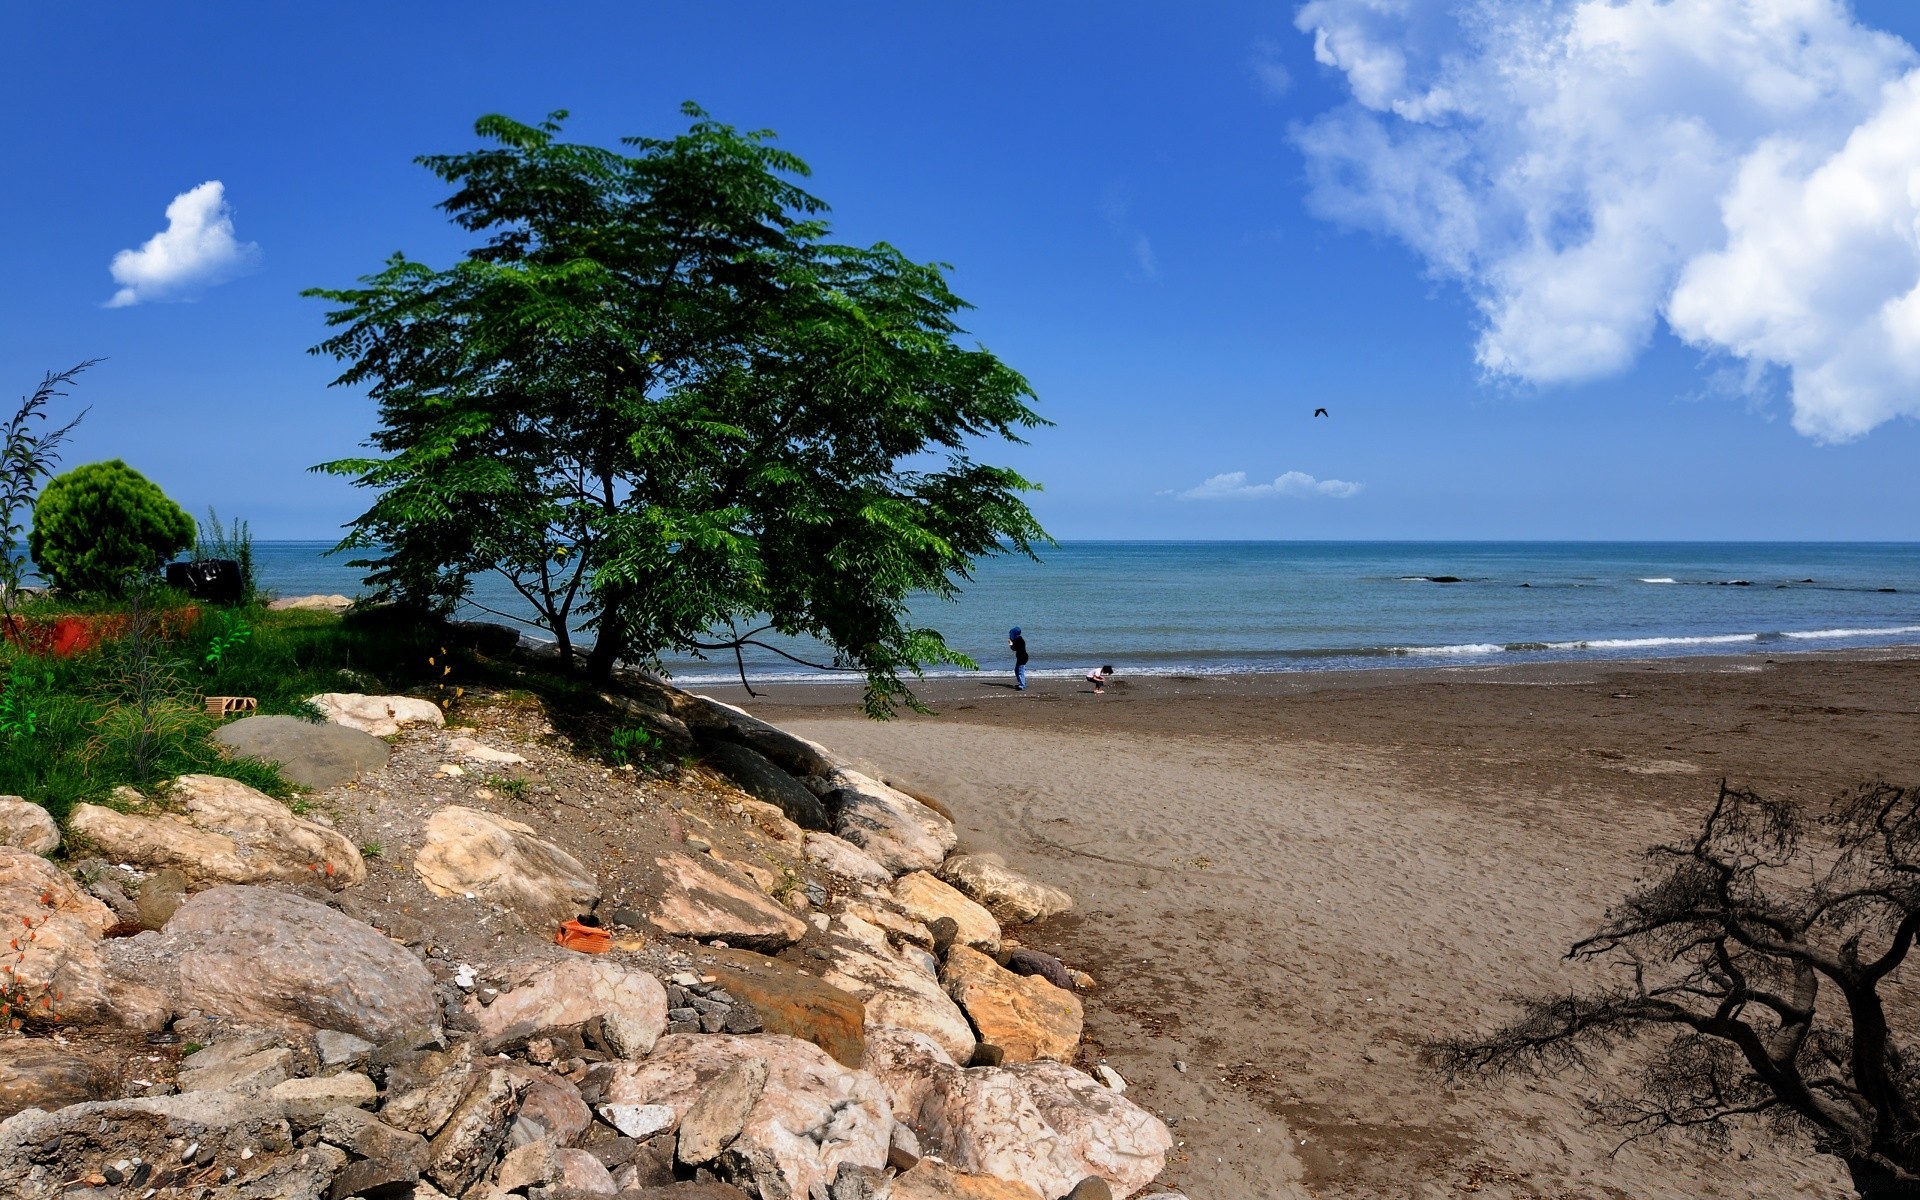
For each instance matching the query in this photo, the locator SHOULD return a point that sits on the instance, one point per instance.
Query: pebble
(1110, 1077)
(465, 977)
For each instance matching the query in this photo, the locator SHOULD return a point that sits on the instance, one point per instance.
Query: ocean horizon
(1229, 607)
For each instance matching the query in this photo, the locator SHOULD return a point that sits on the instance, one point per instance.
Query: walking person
(1018, 645)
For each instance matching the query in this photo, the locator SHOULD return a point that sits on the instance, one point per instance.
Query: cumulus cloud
(1233, 485)
(1747, 171)
(196, 250)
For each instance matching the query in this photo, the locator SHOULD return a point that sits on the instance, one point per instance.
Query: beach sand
(1289, 883)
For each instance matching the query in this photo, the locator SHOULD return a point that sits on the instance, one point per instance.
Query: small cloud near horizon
(1233, 485)
(195, 251)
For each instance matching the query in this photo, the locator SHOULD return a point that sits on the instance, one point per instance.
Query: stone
(640, 1120)
(926, 898)
(945, 931)
(259, 1070)
(1006, 893)
(335, 603)
(161, 895)
(1025, 1016)
(1091, 1188)
(53, 955)
(266, 957)
(861, 1183)
(628, 1036)
(812, 1115)
(476, 751)
(531, 1165)
(702, 899)
(306, 1101)
(1110, 1077)
(581, 1174)
(312, 754)
(381, 716)
(47, 1075)
(790, 752)
(501, 861)
(423, 1091)
(553, 1102)
(362, 1134)
(759, 778)
(338, 1048)
(883, 911)
(373, 1177)
(27, 826)
(896, 831)
(712, 1122)
(467, 1144)
(1024, 961)
(539, 994)
(894, 989)
(844, 858)
(704, 1189)
(931, 1179)
(791, 1002)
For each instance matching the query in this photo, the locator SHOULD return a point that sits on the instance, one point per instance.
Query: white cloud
(196, 250)
(1268, 71)
(1233, 485)
(1747, 170)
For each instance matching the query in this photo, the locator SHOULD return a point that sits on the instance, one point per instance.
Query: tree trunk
(1875, 1181)
(600, 659)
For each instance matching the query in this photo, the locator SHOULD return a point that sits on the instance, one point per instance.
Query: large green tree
(658, 400)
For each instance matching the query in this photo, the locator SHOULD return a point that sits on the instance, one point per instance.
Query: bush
(98, 526)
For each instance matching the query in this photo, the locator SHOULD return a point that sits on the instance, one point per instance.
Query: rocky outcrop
(381, 716)
(314, 755)
(53, 964)
(927, 899)
(701, 899)
(26, 826)
(789, 1001)
(468, 852)
(896, 987)
(1010, 896)
(896, 831)
(269, 958)
(44, 1074)
(715, 719)
(229, 833)
(766, 782)
(539, 995)
(1024, 1015)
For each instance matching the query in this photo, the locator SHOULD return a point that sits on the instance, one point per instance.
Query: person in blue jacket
(1019, 646)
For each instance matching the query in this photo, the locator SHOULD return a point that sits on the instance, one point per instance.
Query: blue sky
(1168, 216)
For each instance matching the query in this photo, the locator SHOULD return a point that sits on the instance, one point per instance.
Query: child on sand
(1018, 645)
(1098, 678)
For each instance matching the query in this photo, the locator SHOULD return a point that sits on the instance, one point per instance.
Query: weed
(370, 850)
(234, 633)
(23, 701)
(507, 786)
(299, 806)
(633, 745)
(233, 541)
(27, 455)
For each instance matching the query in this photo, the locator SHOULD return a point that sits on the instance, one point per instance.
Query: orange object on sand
(587, 939)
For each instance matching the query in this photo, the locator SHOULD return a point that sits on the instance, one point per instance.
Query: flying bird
(1320, 412)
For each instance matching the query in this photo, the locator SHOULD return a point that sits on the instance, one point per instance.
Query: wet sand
(1288, 884)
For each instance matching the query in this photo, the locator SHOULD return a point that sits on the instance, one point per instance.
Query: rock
(334, 604)
(639, 1120)
(1023, 961)
(986, 1054)
(501, 861)
(812, 1115)
(697, 899)
(338, 1048)
(230, 834)
(705, 1189)
(896, 831)
(945, 931)
(361, 1133)
(712, 1122)
(928, 899)
(258, 1071)
(532, 1165)
(161, 895)
(27, 826)
(791, 1002)
(905, 1150)
(553, 1102)
(473, 751)
(1110, 1077)
(791, 753)
(581, 1174)
(861, 1183)
(373, 1177)
(423, 1091)
(306, 1101)
(1006, 893)
(1091, 1188)
(53, 954)
(761, 779)
(1025, 1016)
(43, 1074)
(466, 1145)
(314, 755)
(894, 989)
(888, 914)
(844, 858)
(265, 957)
(931, 1179)
(542, 994)
(381, 716)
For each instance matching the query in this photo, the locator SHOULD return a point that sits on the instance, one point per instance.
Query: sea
(1208, 608)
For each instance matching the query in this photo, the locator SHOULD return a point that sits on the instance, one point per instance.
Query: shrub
(99, 526)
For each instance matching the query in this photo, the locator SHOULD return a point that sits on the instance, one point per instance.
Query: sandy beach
(1288, 883)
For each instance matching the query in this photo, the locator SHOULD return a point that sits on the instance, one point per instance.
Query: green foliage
(507, 785)
(28, 453)
(23, 703)
(233, 540)
(234, 632)
(633, 746)
(657, 400)
(104, 526)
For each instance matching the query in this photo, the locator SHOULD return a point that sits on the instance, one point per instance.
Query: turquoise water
(1219, 607)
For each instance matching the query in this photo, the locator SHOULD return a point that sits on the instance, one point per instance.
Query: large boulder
(764, 781)
(897, 831)
(468, 852)
(716, 719)
(931, 1179)
(381, 716)
(27, 826)
(1024, 1015)
(54, 967)
(844, 858)
(896, 987)
(812, 1115)
(264, 957)
(927, 899)
(702, 899)
(334, 603)
(539, 994)
(791, 1002)
(1003, 891)
(44, 1074)
(230, 833)
(315, 755)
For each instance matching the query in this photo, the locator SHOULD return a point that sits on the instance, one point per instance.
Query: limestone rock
(315, 755)
(306, 1101)
(161, 895)
(928, 899)
(895, 989)
(1003, 891)
(531, 1165)
(639, 1120)
(697, 899)
(553, 1102)
(335, 603)
(791, 753)
(475, 751)
(500, 860)
(26, 825)
(423, 1091)
(712, 1122)
(792, 1002)
(844, 858)
(761, 779)
(812, 1115)
(897, 831)
(54, 950)
(259, 1070)
(361, 1133)
(882, 910)
(556, 993)
(931, 1179)
(44, 1074)
(467, 1144)
(581, 1174)
(381, 716)
(230, 834)
(265, 957)
(1024, 1015)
